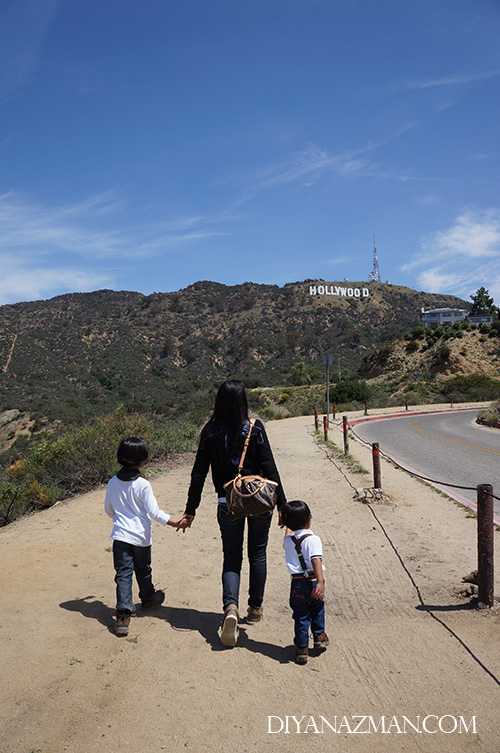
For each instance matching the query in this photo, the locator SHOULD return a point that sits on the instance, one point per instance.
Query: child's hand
(319, 591)
(178, 524)
(183, 523)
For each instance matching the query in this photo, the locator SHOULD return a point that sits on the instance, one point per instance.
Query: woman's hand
(184, 522)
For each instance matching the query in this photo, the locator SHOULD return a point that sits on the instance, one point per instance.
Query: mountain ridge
(83, 353)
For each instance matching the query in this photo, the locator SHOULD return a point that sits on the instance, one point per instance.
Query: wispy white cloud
(463, 257)
(21, 281)
(340, 260)
(308, 166)
(474, 235)
(453, 80)
(46, 249)
(90, 228)
(463, 281)
(311, 164)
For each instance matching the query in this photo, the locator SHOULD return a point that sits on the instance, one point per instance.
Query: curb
(405, 414)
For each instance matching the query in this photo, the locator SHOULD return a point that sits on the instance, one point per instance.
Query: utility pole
(327, 361)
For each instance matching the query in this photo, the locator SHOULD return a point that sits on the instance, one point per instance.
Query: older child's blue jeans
(232, 531)
(307, 611)
(128, 559)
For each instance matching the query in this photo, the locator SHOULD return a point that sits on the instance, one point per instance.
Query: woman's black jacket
(213, 452)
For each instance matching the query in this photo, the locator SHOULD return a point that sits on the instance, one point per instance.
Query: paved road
(447, 447)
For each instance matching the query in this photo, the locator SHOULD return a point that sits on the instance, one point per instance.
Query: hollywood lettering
(338, 290)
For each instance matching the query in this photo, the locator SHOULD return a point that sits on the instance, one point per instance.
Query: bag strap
(298, 549)
(245, 446)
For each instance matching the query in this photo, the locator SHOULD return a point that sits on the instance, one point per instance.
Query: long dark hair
(230, 413)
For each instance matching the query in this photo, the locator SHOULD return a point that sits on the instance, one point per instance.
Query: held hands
(184, 522)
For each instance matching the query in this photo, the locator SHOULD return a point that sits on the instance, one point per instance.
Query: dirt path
(403, 643)
(9, 357)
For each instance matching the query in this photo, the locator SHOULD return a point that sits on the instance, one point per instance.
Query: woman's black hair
(132, 451)
(296, 514)
(230, 412)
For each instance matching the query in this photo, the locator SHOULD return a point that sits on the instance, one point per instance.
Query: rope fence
(415, 473)
(485, 497)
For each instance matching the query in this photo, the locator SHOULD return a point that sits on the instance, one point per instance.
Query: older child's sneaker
(122, 624)
(301, 655)
(155, 601)
(321, 640)
(255, 615)
(229, 632)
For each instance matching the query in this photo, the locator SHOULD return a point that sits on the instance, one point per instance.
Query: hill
(81, 354)
(463, 360)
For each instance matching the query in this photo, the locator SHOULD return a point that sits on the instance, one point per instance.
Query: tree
(482, 303)
(302, 374)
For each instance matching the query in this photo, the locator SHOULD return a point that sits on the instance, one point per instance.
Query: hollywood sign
(338, 290)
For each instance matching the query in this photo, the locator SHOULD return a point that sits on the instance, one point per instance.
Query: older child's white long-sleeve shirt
(133, 506)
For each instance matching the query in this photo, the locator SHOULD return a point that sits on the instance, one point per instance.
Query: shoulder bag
(250, 495)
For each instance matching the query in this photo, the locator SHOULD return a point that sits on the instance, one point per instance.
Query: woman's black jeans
(232, 531)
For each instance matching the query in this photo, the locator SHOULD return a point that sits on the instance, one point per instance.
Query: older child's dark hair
(132, 451)
(296, 514)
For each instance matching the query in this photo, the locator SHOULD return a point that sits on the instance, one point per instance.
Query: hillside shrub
(443, 354)
(350, 390)
(472, 388)
(418, 333)
(491, 415)
(56, 465)
(412, 346)
(384, 353)
(301, 374)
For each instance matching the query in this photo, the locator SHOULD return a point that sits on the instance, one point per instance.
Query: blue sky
(145, 146)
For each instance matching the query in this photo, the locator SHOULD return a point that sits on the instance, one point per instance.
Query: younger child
(303, 553)
(132, 505)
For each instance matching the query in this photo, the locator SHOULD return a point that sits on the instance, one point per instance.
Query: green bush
(472, 388)
(443, 354)
(56, 465)
(384, 353)
(301, 374)
(350, 390)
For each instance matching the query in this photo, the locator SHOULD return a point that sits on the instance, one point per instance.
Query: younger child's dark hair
(296, 514)
(132, 451)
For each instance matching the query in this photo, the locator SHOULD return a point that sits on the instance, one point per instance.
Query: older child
(132, 505)
(303, 553)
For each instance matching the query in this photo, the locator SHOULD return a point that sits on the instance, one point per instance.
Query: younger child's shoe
(301, 655)
(229, 632)
(321, 640)
(255, 615)
(155, 601)
(122, 624)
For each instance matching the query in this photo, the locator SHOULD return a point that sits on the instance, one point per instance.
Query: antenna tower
(375, 275)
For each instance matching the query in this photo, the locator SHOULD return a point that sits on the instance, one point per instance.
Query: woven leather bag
(250, 495)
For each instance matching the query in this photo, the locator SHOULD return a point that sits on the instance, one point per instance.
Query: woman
(220, 447)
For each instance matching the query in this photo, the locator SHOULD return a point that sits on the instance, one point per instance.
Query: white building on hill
(447, 317)
(436, 317)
